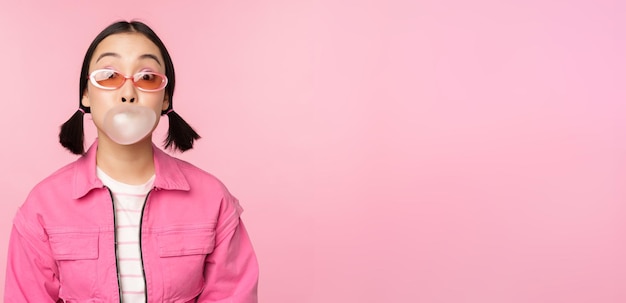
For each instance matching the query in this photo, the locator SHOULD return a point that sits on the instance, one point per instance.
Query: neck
(131, 164)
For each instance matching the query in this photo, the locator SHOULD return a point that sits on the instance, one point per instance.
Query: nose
(128, 92)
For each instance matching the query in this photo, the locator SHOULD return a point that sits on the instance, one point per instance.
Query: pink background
(384, 151)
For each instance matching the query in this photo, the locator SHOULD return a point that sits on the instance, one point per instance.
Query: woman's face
(127, 53)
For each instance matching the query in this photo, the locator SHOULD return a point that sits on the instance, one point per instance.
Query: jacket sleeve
(31, 275)
(231, 270)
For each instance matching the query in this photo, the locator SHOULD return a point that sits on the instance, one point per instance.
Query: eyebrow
(144, 56)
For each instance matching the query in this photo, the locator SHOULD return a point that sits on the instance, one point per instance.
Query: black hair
(180, 135)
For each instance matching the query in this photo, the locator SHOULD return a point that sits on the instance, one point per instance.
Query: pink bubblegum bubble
(127, 124)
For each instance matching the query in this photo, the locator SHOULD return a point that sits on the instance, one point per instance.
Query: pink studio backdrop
(384, 151)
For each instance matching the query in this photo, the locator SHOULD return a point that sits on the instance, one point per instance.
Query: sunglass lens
(149, 81)
(108, 78)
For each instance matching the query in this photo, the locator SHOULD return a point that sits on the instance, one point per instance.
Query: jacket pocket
(76, 254)
(74, 245)
(183, 251)
(184, 241)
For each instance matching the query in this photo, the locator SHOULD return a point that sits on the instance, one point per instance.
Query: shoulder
(60, 176)
(60, 181)
(207, 191)
(175, 173)
(42, 198)
(198, 177)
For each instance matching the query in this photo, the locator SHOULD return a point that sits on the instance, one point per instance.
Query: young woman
(126, 222)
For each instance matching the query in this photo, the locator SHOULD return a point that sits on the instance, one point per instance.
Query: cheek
(156, 101)
(99, 97)
(100, 102)
(97, 115)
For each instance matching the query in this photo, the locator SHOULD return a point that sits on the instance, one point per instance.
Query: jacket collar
(168, 174)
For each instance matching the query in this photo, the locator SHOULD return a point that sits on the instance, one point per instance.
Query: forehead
(129, 46)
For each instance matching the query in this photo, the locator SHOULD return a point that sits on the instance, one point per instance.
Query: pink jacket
(194, 245)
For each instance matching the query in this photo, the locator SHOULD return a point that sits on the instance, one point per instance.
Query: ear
(166, 103)
(85, 99)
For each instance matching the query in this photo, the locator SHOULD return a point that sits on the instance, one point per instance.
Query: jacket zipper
(143, 270)
(117, 269)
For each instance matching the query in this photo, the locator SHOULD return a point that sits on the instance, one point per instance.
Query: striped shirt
(129, 201)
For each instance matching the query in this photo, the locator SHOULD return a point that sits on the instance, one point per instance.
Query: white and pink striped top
(129, 200)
